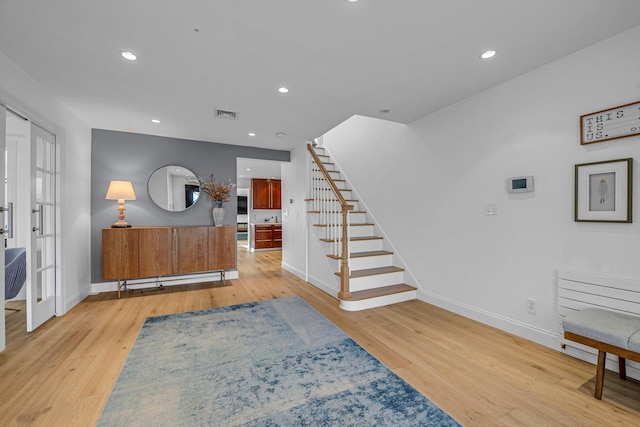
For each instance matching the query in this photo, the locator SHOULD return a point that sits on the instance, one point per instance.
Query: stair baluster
(334, 214)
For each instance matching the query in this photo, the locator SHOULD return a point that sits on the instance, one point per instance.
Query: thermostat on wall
(520, 184)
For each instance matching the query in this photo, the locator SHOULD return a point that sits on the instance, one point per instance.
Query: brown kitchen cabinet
(266, 193)
(266, 236)
(143, 252)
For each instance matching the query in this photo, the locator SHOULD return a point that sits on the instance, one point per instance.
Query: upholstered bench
(608, 332)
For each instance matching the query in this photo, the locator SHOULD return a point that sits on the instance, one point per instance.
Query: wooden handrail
(326, 175)
(344, 292)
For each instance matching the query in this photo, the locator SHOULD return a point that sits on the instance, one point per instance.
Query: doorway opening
(248, 169)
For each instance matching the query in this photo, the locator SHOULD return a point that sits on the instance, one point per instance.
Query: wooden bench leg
(622, 368)
(602, 357)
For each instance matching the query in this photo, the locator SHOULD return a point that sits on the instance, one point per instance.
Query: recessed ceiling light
(252, 134)
(488, 54)
(385, 111)
(128, 55)
(283, 89)
(155, 120)
(248, 169)
(281, 134)
(352, 1)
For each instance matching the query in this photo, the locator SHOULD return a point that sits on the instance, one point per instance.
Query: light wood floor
(62, 374)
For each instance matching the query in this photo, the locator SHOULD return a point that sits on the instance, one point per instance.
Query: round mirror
(173, 188)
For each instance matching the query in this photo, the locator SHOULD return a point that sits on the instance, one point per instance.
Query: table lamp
(120, 191)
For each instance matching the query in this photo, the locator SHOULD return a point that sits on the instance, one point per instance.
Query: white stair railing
(333, 213)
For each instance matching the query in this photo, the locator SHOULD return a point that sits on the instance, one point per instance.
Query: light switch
(490, 208)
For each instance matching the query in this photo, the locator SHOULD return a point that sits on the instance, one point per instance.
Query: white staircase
(373, 280)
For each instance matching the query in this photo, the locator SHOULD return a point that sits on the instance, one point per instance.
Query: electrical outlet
(532, 306)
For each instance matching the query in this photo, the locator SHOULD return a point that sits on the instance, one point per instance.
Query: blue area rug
(269, 363)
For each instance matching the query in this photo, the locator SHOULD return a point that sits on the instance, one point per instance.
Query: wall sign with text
(614, 123)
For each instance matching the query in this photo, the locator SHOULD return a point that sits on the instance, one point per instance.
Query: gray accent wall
(134, 157)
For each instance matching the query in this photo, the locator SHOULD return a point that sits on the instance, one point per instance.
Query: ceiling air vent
(224, 114)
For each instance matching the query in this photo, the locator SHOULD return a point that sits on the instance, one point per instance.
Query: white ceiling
(337, 58)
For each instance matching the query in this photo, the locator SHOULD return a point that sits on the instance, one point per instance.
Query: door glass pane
(39, 153)
(49, 281)
(39, 185)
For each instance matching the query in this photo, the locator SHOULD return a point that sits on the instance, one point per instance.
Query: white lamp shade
(120, 190)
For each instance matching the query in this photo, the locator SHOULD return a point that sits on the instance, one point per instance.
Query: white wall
(23, 94)
(299, 241)
(426, 183)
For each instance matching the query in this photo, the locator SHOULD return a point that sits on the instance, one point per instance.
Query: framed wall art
(614, 123)
(603, 191)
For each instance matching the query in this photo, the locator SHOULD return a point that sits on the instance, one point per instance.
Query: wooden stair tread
(373, 271)
(370, 253)
(352, 225)
(380, 292)
(358, 239)
(363, 254)
(355, 239)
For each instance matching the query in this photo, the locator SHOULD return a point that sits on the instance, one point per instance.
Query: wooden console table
(142, 252)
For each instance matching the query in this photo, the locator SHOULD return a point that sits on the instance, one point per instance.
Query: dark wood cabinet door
(192, 249)
(276, 194)
(157, 256)
(260, 194)
(119, 253)
(222, 248)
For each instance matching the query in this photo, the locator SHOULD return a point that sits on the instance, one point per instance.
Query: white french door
(41, 291)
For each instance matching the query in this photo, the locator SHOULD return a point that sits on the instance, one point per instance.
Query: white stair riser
(333, 204)
(378, 302)
(361, 230)
(354, 218)
(354, 231)
(356, 246)
(365, 245)
(362, 263)
(375, 281)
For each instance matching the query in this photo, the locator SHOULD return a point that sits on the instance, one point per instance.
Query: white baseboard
(97, 288)
(323, 286)
(74, 300)
(531, 333)
(293, 270)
